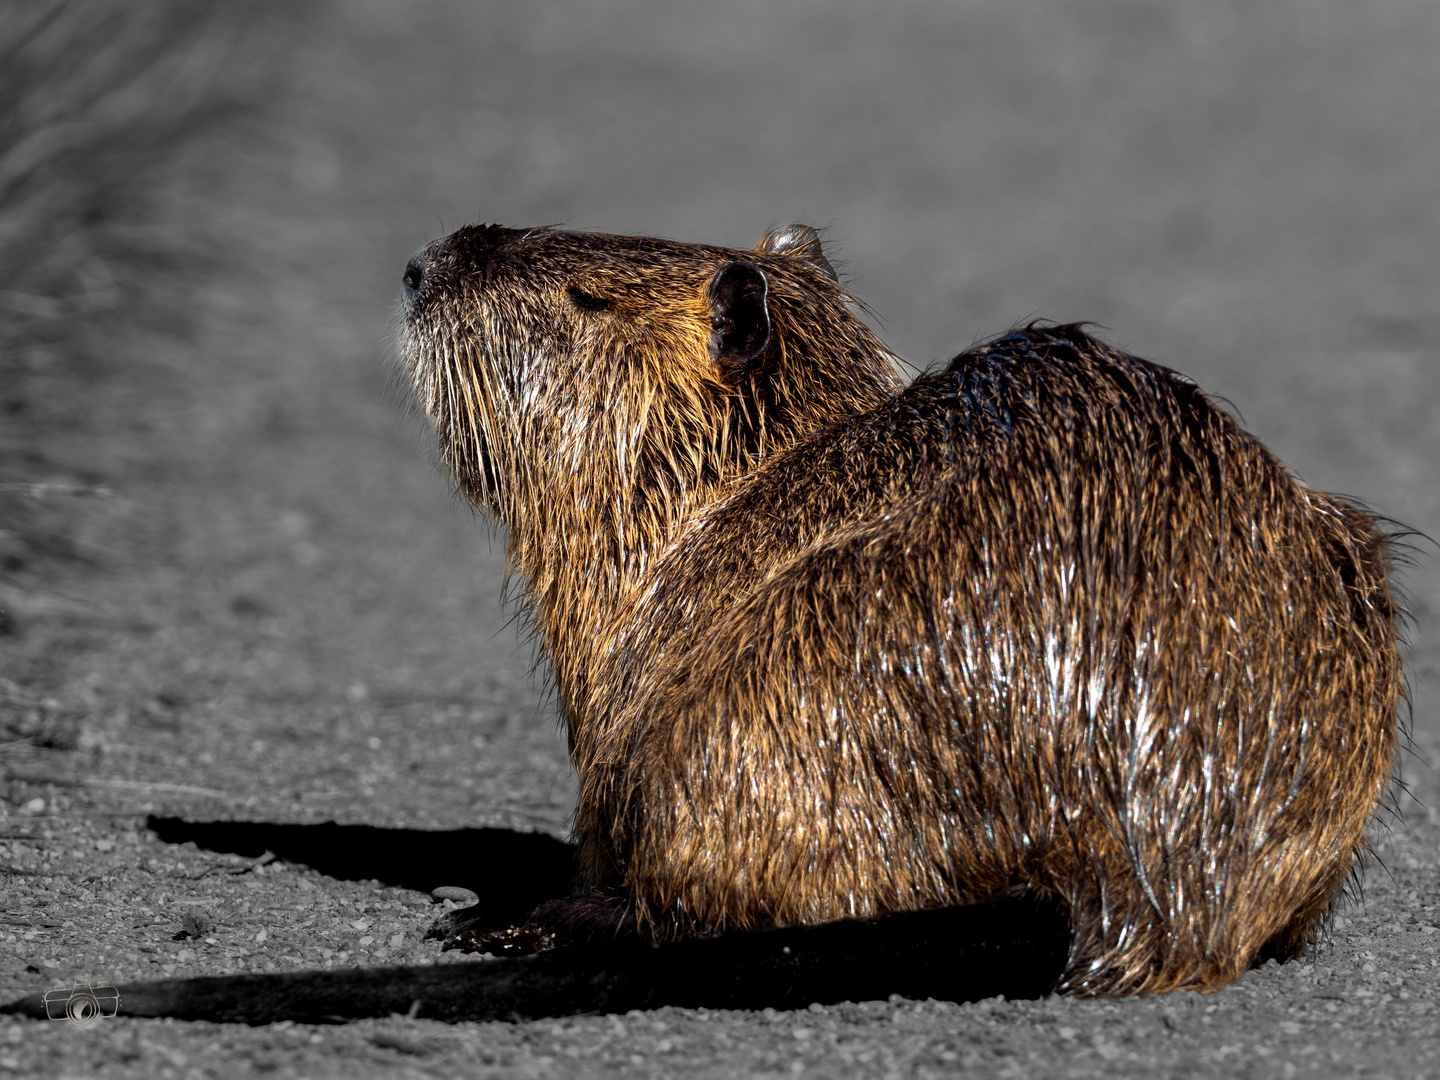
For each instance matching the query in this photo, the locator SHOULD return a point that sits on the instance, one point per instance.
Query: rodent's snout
(464, 258)
(414, 275)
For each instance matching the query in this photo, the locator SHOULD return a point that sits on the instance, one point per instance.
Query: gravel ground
(287, 618)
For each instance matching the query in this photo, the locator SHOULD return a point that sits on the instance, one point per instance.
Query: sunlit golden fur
(831, 646)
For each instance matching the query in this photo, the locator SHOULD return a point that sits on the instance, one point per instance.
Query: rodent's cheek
(537, 378)
(526, 380)
(682, 347)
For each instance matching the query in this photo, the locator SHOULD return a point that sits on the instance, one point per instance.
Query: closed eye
(587, 301)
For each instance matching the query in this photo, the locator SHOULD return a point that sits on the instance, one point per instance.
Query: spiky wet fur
(829, 647)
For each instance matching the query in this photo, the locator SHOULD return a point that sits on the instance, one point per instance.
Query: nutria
(1040, 664)
(828, 645)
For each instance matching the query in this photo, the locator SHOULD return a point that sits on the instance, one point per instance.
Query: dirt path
(294, 621)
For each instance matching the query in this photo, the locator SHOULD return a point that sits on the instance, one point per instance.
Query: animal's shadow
(511, 872)
(1012, 946)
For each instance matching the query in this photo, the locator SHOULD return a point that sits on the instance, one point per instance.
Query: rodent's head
(626, 373)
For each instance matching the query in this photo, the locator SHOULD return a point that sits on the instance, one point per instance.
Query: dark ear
(739, 318)
(801, 241)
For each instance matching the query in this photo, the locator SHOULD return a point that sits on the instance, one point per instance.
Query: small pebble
(455, 893)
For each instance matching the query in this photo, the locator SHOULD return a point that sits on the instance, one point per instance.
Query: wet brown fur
(828, 645)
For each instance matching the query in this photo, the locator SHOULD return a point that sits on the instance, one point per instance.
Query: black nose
(414, 273)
